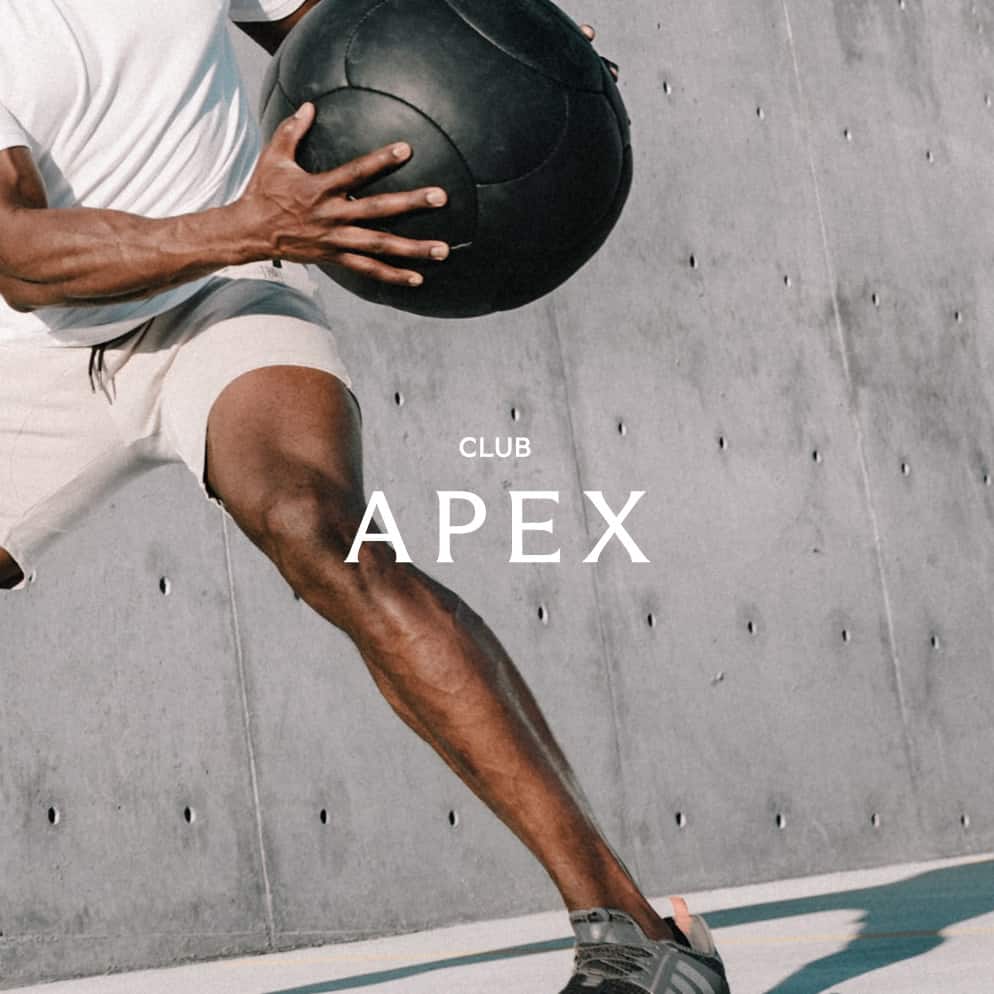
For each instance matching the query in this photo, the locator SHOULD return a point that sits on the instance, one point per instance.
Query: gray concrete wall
(787, 343)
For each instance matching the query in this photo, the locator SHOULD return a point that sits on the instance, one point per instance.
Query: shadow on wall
(900, 921)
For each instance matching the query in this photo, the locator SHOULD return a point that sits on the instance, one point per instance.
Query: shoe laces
(610, 959)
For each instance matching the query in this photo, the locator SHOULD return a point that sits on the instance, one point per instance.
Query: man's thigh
(60, 450)
(237, 332)
(279, 431)
(64, 446)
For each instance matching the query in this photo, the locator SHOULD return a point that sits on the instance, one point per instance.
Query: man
(138, 222)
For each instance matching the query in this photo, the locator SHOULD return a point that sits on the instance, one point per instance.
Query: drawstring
(97, 370)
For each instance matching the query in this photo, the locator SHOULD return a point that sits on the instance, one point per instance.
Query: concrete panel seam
(894, 653)
(249, 745)
(45, 938)
(601, 633)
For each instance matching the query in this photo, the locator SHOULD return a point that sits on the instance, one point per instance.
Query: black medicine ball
(507, 107)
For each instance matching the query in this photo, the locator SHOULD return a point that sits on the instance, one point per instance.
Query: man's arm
(87, 256)
(269, 34)
(97, 256)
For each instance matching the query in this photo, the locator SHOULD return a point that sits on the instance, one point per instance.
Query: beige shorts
(67, 442)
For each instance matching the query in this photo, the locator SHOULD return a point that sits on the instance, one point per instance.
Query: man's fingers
(590, 35)
(331, 223)
(287, 136)
(377, 270)
(359, 171)
(383, 243)
(390, 204)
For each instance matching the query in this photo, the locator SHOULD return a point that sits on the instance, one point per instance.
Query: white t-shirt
(127, 105)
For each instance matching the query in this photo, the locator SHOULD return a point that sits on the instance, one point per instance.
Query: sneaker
(613, 956)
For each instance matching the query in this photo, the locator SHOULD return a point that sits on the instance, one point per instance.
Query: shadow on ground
(900, 920)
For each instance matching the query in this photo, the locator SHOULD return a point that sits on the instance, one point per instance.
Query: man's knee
(10, 572)
(309, 532)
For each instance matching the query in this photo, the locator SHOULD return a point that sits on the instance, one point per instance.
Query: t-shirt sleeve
(11, 133)
(262, 10)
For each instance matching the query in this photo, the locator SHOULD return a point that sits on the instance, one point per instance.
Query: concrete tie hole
(515, 414)
(323, 816)
(787, 281)
(398, 399)
(760, 113)
(929, 156)
(189, 815)
(781, 820)
(650, 620)
(681, 820)
(751, 627)
(453, 819)
(875, 820)
(987, 479)
(722, 443)
(876, 299)
(964, 820)
(694, 264)
(846, 635)
(543, 614)
(165, 586)
(54, 815)
(667, 87)
(816, 456)
(958, 317)
(906, 468)
(847, 134)
(934, 642)
(622, 429)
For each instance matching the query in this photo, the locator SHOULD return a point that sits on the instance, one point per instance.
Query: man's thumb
(293, 128)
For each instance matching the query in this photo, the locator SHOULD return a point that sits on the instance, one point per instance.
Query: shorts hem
(197, 464)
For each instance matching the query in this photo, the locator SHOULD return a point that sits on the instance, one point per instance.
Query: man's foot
(613, 956)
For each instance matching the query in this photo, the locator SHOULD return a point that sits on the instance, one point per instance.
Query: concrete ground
(924, 928)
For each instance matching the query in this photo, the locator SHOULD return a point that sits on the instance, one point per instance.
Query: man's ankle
(655, 927)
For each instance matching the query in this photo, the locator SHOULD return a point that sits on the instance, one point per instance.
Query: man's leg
(10, 572)
(284, 454)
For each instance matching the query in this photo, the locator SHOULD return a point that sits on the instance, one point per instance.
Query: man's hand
(591, 35)
(311, 217)
(87, 256)
(79, 256)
